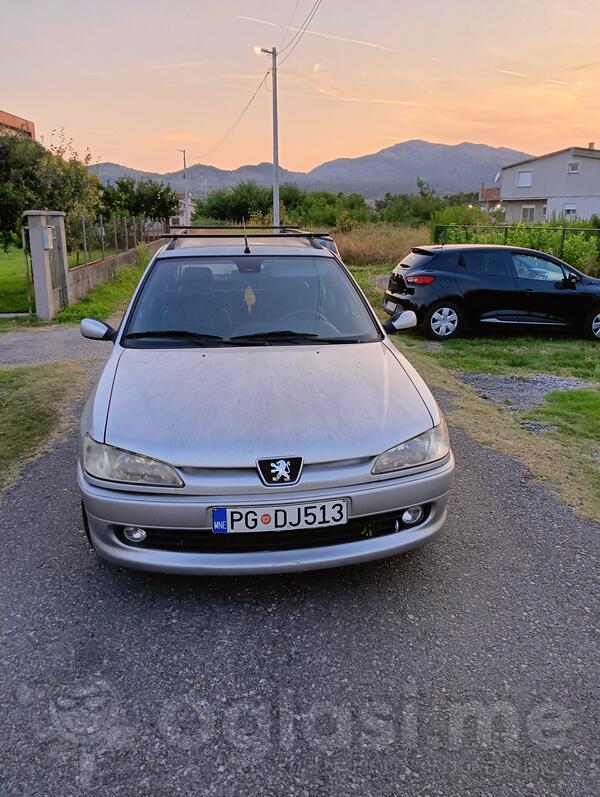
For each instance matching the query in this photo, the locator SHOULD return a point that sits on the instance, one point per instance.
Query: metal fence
(540, 236)
(89, 240)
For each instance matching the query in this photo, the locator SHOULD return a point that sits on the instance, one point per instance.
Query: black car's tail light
(419, 280)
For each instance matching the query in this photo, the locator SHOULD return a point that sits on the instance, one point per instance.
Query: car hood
(227, 407)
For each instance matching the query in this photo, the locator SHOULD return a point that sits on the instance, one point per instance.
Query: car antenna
(247, 249)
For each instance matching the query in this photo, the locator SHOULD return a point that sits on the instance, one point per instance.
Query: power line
(295, 41)
(291, 45)
(239, 118)
(299, 31)
(291, 19)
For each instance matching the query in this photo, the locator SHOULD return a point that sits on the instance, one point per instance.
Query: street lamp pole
(275, 140)
(186, 203)
(273, 53)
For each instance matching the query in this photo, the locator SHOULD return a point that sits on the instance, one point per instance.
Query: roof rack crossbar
(309, 235)
(284, 227)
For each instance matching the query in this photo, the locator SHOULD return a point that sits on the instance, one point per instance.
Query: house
(186, 208)
(14, 124)
(489, 198)
(564, 183)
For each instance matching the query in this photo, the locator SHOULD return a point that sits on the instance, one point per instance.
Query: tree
(33, 177)
(148, 199)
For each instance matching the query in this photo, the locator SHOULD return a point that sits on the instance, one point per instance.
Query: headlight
(427, 447)
(116, 465)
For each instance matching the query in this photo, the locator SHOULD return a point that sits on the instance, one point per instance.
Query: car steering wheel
(310, 316)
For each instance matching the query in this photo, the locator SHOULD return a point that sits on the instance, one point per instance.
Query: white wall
(551, 179)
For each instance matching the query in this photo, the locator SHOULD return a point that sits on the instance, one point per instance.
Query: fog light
(133, 534)
(412, 515)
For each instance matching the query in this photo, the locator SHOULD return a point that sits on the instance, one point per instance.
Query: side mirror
(572, 278)
(96, 330)
(405, 320)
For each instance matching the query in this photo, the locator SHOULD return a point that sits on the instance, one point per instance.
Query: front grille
(204, 541)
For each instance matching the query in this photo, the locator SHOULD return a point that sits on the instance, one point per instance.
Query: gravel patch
(538, 428)
(49, 345)
(519, 393)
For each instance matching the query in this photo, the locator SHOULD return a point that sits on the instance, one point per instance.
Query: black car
(454, 287)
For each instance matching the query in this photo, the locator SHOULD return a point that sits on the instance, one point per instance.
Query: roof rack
(242, 232)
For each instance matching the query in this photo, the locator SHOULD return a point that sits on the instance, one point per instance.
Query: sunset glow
(134, 82)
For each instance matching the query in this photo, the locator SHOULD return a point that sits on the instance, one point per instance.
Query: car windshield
(248, 300)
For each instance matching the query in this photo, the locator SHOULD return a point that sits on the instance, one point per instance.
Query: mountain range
(447, 168)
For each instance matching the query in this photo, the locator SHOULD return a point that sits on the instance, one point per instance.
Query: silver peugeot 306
(254, 417)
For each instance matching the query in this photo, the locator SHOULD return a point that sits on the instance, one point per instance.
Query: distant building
(17, 125)
(489, 198)
(185, 202)
(564, 183)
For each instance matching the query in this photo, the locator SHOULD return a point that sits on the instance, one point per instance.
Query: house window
(524, 179)
(573, 167)
(544, 211)
(570, 211)
(527, 212)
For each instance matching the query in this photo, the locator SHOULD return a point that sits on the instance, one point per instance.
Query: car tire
(443, 320)
(591, 325)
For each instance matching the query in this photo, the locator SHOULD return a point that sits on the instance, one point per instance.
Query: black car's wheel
(591, 325)
(443, 321)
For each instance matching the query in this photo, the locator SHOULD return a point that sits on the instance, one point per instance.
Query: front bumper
(108, 509)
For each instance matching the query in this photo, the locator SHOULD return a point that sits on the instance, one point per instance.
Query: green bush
(580, 248)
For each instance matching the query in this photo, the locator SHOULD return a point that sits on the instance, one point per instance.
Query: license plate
(243, 519)
(389, 305)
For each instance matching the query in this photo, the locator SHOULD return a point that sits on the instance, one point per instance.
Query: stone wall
(82, 279)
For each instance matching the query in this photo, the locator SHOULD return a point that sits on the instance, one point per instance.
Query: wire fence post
(126, 234)
(562, 241)
(102, 244)
(115, 234)
(84, 235)
(135, 240)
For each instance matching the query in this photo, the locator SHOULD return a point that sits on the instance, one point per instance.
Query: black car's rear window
(415, 260)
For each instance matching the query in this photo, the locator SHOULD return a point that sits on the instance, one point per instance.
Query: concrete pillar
(46, 236)
(56, 219)
(39, 244)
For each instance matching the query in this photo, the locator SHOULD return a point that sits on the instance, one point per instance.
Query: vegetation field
(32, 403)
(380, 244)
(13, 285)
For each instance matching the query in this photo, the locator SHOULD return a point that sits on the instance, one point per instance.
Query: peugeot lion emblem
(279, 471)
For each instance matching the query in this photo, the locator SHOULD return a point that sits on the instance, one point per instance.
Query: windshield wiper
(276, 335)
(177, 334)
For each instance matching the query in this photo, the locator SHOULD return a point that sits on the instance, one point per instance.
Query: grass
(379, 244)
(105, 300)
(522, 355)
(32, 407)
(13, 287)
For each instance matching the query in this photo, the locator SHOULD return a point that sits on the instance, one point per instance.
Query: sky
(135, 81)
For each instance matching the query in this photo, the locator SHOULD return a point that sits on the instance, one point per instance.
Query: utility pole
(273, 53)
(186, 202)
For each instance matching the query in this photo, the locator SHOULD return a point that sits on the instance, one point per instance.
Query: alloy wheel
(596, 326)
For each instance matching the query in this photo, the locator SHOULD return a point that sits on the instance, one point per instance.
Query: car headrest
(196, 278)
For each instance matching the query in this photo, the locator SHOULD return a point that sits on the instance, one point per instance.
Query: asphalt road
(468, 668)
